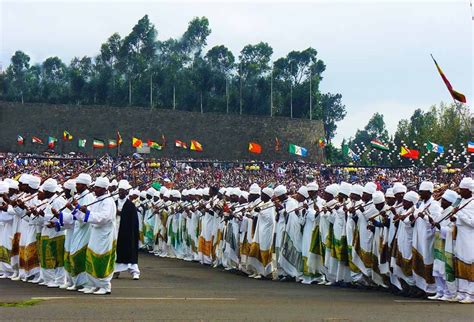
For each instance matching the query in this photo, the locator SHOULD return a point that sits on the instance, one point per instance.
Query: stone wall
(224, 137)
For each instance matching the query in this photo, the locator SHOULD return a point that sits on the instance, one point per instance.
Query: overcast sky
(376, 52)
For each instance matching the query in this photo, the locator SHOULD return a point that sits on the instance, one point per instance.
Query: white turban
(34, 182)
(3, 187)
(175, 194)
(102, 182)
(143, 194)
(163, 190)
(12, 184)
(378, 197)
(312, 186)
(268, 191)
(235, 192)
(450, 196)
(280, 190)
(24, 178)
(84, 178)
(198, 192)
(205, 191)
(370, 188)
(254, 189)
(303, 191)
(345, 188)
(113, 183)
(223, 191)
(150, 192)
(332, 189)
(467, 183)
(70, 184)
(134, 192)
(123, 184)
(426, 186)
(50, 185)
(411, 196)
(156, 193)
(399, 187)
(244, 194)
(389, 193)
(357, 189)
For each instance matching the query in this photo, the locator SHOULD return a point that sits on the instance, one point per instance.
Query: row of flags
(404, 151)
(292, 149)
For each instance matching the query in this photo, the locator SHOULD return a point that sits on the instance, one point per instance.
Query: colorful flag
(67, 136)
(98, 144)
(410, 154)
(19, 139)
(81, 143)
(196, 146)
(456, 95)
(154, 145)
(433, 147)
(112, 144)
(347, 151)
(136, 143)
(119, 138)
(379, 145)
(322, 142)
(298, 150)
(255, 148)
(277, 145)
(180, 144)
(470, 147)
(35, 139)
(51, 142)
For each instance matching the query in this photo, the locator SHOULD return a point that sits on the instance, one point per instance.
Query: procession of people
(77, 230)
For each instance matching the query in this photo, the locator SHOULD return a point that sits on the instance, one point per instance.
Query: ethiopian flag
(154, 145)
(67, 136)
(298, 150)
(196, 146)
(456, 95)
(379, 145)
(136, 143)
(98, 144)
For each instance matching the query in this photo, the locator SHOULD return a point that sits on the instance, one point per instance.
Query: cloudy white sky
(376, 52)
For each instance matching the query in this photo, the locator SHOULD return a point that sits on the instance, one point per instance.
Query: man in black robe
(128, 233)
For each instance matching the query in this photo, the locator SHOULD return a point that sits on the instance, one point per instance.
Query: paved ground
(177, 290)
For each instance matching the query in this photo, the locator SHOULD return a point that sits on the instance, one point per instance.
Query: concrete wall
(224, 137)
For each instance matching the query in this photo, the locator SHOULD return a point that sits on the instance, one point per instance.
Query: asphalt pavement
(172, 289)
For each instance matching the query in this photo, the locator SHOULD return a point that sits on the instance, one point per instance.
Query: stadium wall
(224, 137)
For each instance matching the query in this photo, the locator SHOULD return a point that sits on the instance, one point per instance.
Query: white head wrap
(12, 184)
(357, 189)
(411, 196)
(84, 178)
(332, 189)
(370, 188)
(268, 191)
(378, 197)
(312, 186)
(123, 184)
(399, 187)
(50, 185)
(280, 190)
(450, 196)
(345, 188)
(102, 182)
(254, 189)
(34, 182)
(467, 183)
(303, 191)
(3, 187)
(426, 186)
(389, 193)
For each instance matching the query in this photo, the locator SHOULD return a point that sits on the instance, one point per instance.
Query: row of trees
(141, 70)
(448, 125)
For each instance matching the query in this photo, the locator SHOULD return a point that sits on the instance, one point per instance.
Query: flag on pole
(67, 136)
(277, 145)
(410, 154)
(51, 142)
(98, 144)
(154, 145)
(112, 144)
(322, 142)
(136, 143)
(19, 139)
(347, 151)
(470, 147)
(379, 145)
(255, 148)
(455, 95)
(433, 147)
(35, 139)
(119, 138)
(298, 150)
(81, 143)
(163, 141)
(180, 144)
(196, 146)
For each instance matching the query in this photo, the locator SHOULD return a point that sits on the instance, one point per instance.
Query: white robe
(464, 249)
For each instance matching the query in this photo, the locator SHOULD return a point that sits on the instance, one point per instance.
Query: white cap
(370, 188)
(332, 189)
(50, 185)
(123, 184)
(24, 178)
(12, 184)
(268, 191)
(34, 182)
(312, 186)
(4, 187)
(378, 197)
(467, 183)
(254, 189)
(70, 184)
(345, 188)
(411, 196)
(450, 196)
(84, 178)
(357, 189)
(303, 191)
(102, 182)
(389, 193)
(399, 187)
(280, 190)
(426, 186)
